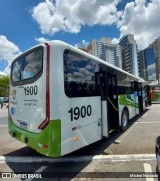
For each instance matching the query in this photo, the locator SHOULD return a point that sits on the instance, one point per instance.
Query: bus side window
(97, 83)
(73, 87)
(133, 88)
(79, 75)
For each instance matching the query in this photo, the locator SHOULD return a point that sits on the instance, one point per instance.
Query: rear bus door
(140, 97)
(110, 114)
(112, 99)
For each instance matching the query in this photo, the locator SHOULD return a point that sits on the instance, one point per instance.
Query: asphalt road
(8, 144)
(138, 139)
(3, 117)
(95, 170)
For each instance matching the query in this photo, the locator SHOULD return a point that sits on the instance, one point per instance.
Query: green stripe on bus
(50, 136)
(127, 101)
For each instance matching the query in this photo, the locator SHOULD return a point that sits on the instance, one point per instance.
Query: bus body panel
(47, 142)
(59, 102)
(85, 117)
(129, 101)
(104, 119)
(49, 139)
(27, 102)
(62, 104)
(21, 110)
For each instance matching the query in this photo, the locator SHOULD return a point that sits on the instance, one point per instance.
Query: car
(5, 102)
(1, 102)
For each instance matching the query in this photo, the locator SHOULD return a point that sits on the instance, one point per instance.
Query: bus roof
(94, 57)
(75, 49)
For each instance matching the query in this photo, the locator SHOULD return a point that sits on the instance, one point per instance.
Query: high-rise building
(146, 61)
(105, 50)
(142, 64)
(156, 46)
(129, 54)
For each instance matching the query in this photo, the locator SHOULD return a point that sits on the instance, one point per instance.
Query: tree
(4, 86)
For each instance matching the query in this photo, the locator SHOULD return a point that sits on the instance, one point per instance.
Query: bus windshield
(27, 66)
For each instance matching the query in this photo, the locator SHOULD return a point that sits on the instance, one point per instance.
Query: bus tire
(124, 120)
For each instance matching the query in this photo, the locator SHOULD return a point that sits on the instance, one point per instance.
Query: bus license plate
(23, 126)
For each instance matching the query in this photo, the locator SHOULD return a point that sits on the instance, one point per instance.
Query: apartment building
(156, 46)
(147, 66)
(105, 50)
(129, 54)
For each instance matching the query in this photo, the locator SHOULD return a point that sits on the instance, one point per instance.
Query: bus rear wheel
(124, 120)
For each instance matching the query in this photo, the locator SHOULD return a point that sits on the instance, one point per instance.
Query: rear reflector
(42, 146)
(75, 139)
(74, 128)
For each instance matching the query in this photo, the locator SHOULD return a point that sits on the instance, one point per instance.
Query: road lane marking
(148, 169)
(125, 133)
(3, 125)
(41, 169)
(145, 122)
(41, 159)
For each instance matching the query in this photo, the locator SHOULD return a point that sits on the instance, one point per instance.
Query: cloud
(151, 72)
(71, 15)
(115, 41)
(2, 73)
(8, 51)
(41, 39)
(141, 18)
(82, 44)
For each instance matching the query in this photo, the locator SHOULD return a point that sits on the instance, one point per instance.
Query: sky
(26, 23)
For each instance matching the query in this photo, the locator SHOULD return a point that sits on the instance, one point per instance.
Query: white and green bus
(62, 99)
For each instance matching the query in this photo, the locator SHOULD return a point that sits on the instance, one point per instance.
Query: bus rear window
(27, 66)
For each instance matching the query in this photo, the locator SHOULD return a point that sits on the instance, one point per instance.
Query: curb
(41, 159)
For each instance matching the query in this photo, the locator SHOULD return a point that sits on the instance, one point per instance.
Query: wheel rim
(124, 120)
(158, 160)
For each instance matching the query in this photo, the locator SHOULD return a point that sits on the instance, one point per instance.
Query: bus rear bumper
(47, 142)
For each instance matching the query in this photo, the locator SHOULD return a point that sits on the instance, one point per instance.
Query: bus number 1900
(33, 90)
(82, 112)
